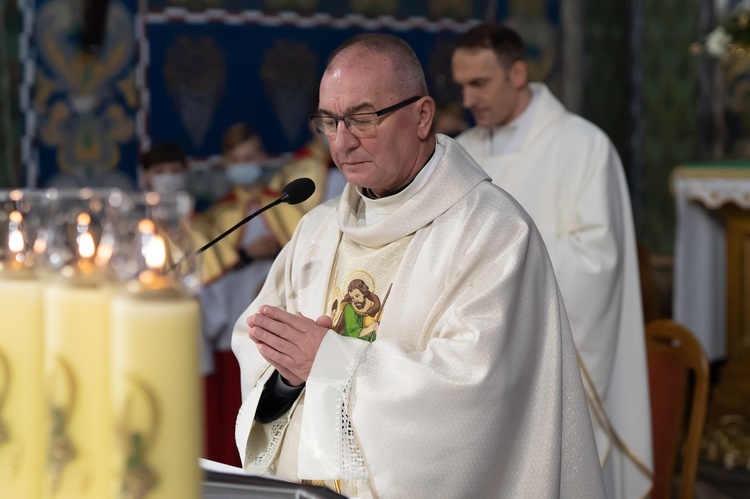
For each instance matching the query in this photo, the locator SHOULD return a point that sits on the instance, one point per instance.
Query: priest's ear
(426, 111)
(519, 74)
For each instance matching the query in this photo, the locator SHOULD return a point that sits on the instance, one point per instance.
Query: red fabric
(668, 380)
(222, 398)
(305, 152)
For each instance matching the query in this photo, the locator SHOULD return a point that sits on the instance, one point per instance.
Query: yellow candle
(22, 435)
(157, 394)
(80, 427)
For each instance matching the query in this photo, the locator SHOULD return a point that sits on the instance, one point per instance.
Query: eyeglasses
(358, 124)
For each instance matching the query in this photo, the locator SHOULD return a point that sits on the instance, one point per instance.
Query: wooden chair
(649, 289)
(673, 354)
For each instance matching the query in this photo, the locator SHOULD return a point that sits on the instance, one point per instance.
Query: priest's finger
(324, 321)
(280, 329)
(260, 334)
(295, 369)
(296, 321)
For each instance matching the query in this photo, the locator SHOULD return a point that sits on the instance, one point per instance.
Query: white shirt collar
(371, 211)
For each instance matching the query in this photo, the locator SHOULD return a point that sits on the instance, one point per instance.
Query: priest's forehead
(357, 85)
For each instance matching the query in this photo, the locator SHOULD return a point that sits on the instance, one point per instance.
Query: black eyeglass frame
(377, 114)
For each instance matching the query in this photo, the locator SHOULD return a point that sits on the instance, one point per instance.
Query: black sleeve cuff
(273, 402)
(245, 259)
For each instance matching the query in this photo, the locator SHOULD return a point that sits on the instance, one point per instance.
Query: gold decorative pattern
(81, 98)
(138, 429)
(728, 442)
(4, 389)
(61, 448)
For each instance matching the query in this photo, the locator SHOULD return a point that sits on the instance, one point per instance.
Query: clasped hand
(289, 342)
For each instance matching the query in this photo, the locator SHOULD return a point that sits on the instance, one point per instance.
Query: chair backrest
(649, 289)
(673, 354)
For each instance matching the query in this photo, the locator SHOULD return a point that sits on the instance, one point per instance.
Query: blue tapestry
(203, 79)
(84, 103)
(185, 70)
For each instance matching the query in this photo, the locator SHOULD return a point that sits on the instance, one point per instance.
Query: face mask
(168, 183)
(244, 173)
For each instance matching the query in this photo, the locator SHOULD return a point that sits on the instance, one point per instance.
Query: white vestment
(568, 177)
(472, 387)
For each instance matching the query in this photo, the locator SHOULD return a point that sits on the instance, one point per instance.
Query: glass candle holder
(22, 435)
(73, 258)
(155, 326)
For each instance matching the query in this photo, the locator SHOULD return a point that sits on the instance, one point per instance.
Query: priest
(565, 172)
(455, 373)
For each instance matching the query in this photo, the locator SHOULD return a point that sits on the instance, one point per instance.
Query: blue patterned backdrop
(83, 106)
(185, 70)
(202, 80)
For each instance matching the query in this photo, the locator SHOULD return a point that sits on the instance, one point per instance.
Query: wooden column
(732, 393)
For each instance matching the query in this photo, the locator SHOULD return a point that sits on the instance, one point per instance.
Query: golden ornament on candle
(155, 375)
(21, 351)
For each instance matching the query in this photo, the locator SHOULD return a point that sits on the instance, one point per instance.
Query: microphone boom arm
(236, 226)
(294, 192)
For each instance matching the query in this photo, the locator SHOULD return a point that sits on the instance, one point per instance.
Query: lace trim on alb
(352, 463)
(266, 459)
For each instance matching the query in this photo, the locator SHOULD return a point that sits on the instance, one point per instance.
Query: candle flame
(15, 241)
(40, 245)
(104, 253)
(86, 246)
(156, 253)
(146, 226)
(84, 219)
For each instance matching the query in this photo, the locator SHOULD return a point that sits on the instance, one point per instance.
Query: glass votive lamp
(73, 258)
(22, 432)
(155, 325)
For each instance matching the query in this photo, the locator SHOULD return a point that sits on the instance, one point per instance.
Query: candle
(80, 425)
(21, 388)
(77, 360)
(156, 382)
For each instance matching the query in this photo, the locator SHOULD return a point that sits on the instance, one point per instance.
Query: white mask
(244, 173)
(168, 183)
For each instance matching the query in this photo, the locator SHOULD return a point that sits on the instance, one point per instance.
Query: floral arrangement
(732, 37)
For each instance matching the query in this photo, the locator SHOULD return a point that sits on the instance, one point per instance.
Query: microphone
(294, 192)
(297, 191)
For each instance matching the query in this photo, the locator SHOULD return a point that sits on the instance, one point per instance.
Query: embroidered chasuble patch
(358, 297)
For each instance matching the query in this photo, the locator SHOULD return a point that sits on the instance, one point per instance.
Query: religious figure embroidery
(359, 312)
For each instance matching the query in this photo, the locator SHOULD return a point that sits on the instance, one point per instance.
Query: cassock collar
(454, 175)
(547, 111)
(508, 138)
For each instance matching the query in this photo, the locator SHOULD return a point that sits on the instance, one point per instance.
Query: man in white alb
(567, 175)
(454, 374)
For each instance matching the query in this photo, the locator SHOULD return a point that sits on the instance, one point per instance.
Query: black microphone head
(298, 190)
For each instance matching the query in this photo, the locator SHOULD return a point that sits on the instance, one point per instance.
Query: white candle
(156, 382)
(156, 387)
(22, 435)
(79, 459)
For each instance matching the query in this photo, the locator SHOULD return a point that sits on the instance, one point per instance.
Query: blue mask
(243, 173)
